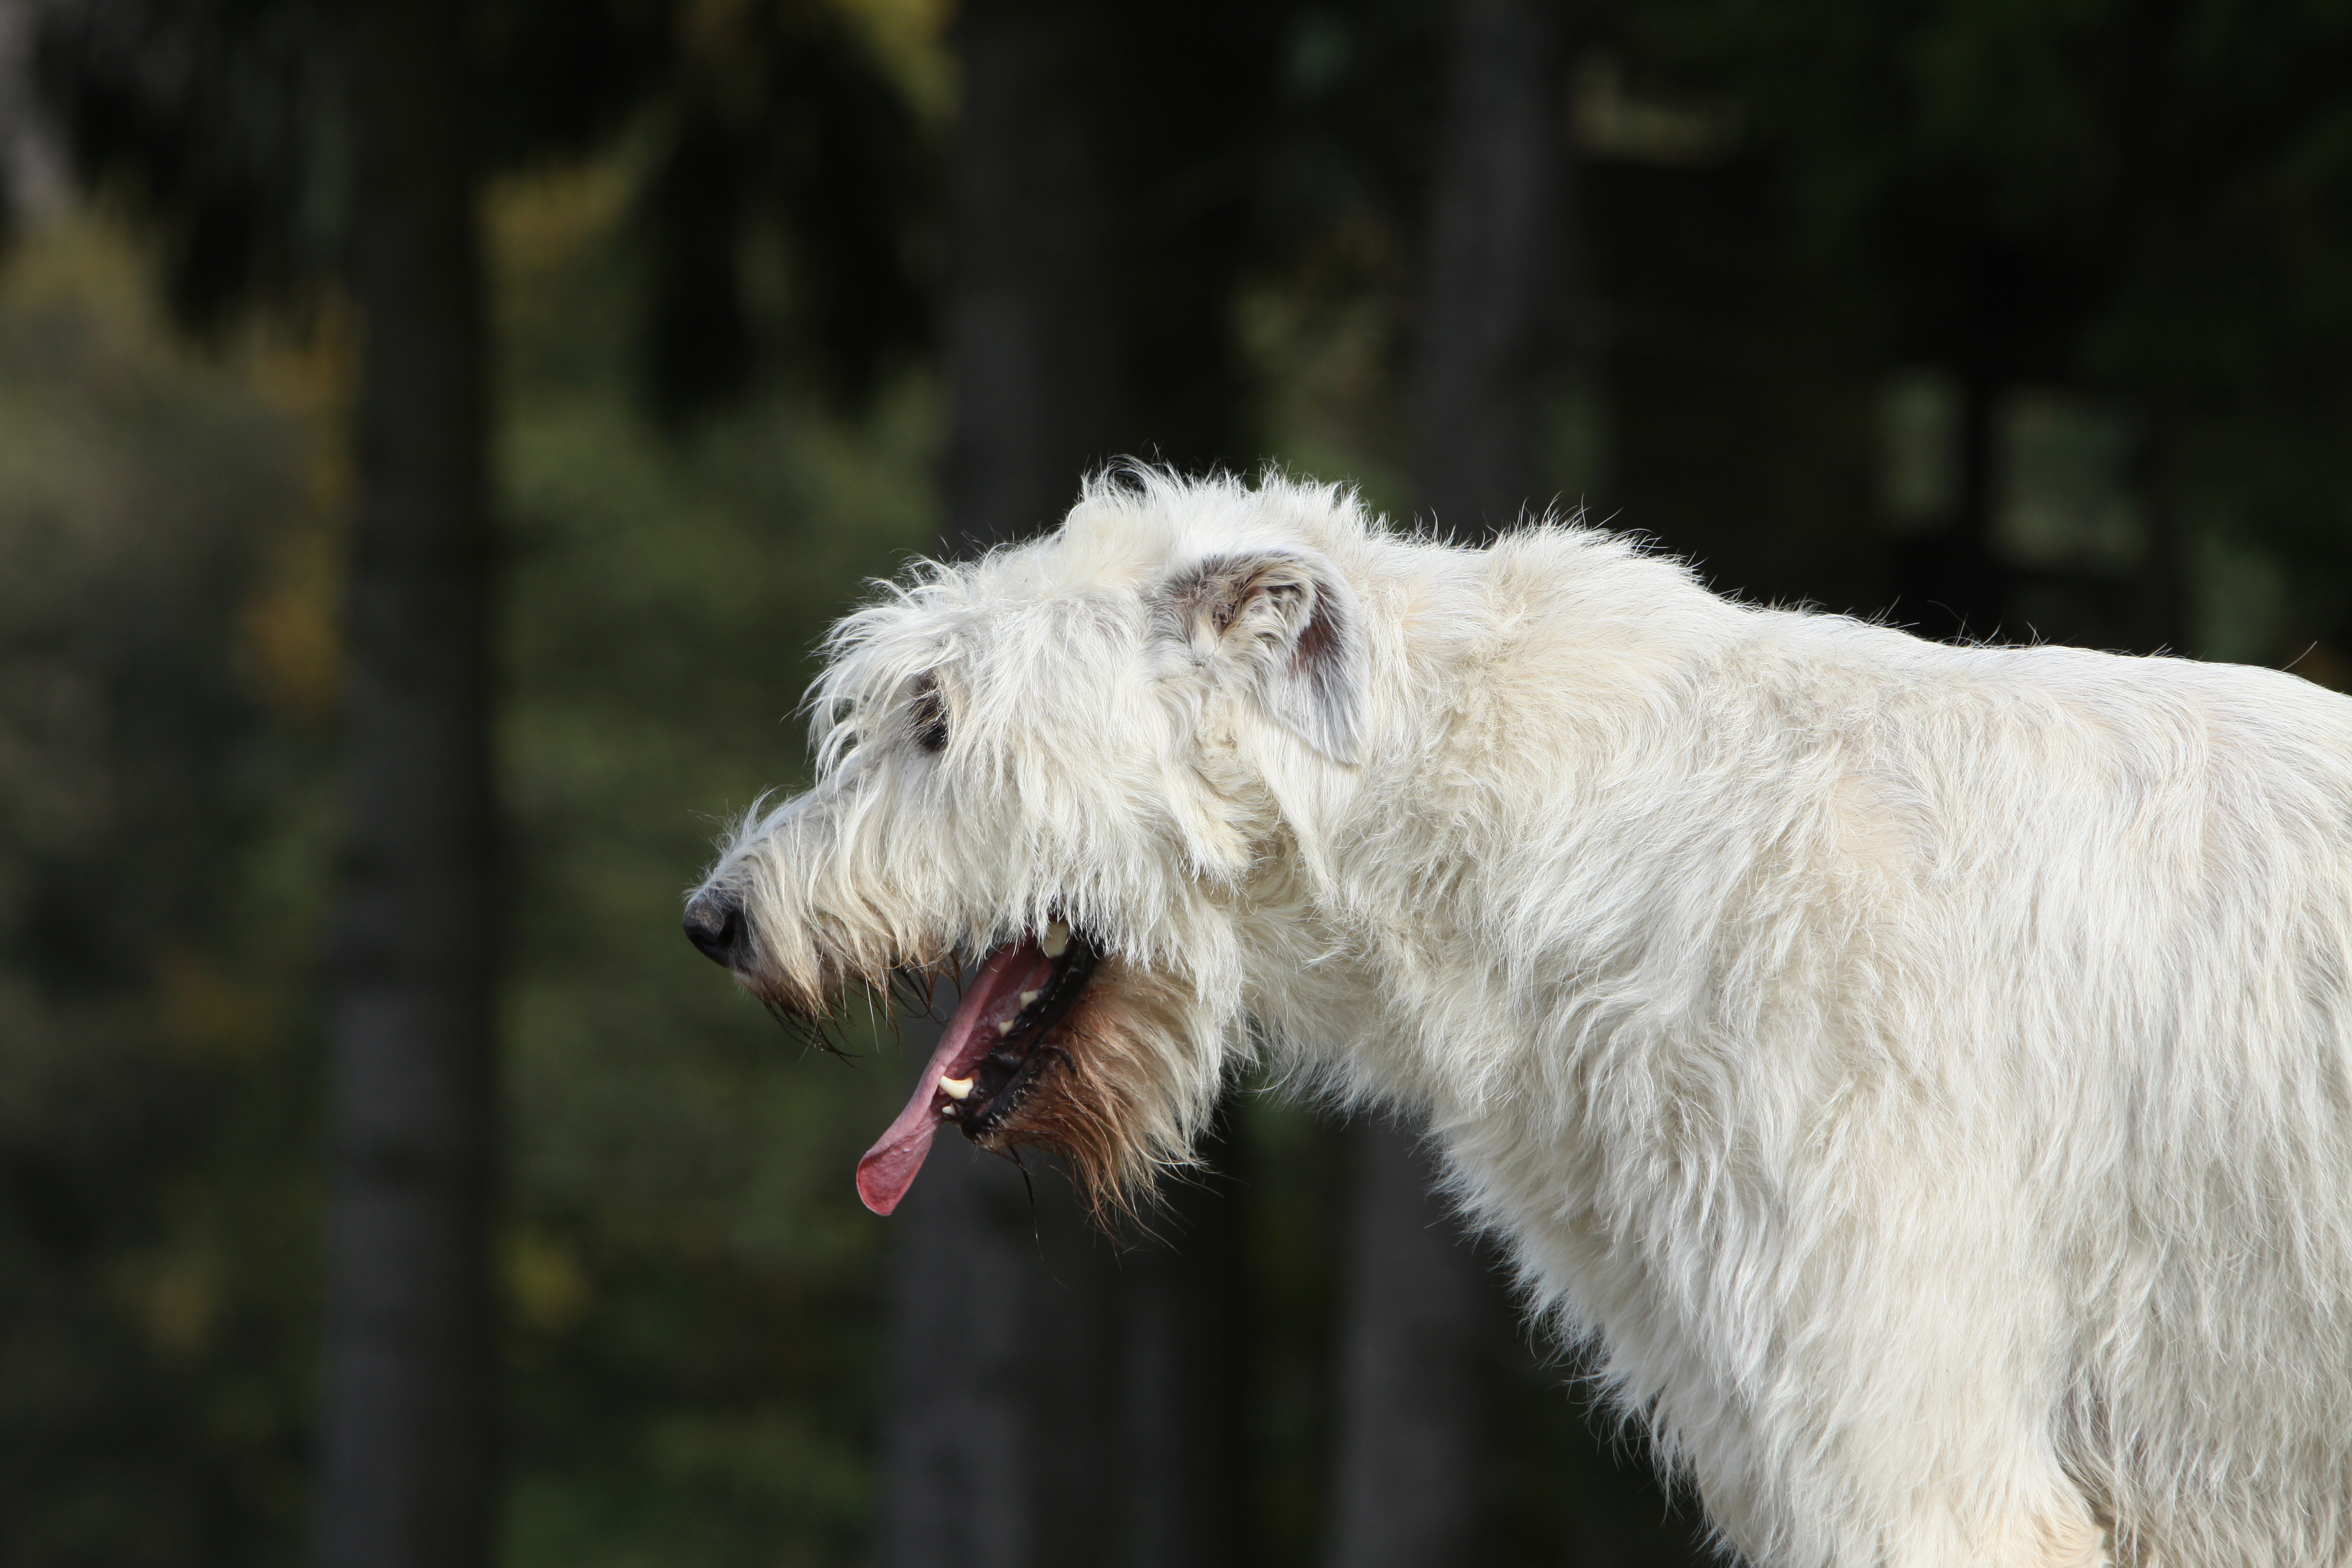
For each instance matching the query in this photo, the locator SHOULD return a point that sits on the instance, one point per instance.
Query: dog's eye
(926, 717)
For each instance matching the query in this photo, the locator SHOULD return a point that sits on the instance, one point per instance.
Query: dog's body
(1927, 1072)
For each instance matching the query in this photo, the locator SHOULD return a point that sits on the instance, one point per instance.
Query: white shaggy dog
(1925, 1071)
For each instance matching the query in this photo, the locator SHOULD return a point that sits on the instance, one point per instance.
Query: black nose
(716, 926)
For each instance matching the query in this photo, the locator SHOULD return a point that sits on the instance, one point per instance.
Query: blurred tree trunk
(1423, 1314)
(1497, 210)
(1001, 1437)
(407, 1425)
(1030, 357)
(2167, 622)
(1418, 1368)
(1192, 1493)
(1949, 584)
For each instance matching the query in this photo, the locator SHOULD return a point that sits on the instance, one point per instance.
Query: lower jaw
(983, 1125)
(981, 1076)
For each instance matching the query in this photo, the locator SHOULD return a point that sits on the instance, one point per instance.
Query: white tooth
(1056, 940)
(1029, 996)
(957, 1087)
(1005, 1026)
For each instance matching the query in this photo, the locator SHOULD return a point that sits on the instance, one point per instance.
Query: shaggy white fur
(1925, 1071)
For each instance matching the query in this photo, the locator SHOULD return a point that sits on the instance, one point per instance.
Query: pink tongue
(888, 1168)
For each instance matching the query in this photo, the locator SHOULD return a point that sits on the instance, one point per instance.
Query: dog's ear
(1292, 620)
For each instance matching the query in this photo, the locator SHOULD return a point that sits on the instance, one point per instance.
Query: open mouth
(989, 1057)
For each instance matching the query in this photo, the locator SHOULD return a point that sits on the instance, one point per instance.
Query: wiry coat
(1925, 1071)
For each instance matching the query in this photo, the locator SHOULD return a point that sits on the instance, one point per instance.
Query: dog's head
(1079, 772)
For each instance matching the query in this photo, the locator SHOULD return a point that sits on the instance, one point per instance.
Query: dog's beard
(989, 1057)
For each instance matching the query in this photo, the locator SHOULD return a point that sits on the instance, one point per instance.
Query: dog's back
(1941, 1060)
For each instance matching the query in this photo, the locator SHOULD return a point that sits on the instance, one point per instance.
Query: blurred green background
(2027, 319)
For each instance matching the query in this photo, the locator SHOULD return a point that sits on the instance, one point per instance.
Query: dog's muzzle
(717, 926)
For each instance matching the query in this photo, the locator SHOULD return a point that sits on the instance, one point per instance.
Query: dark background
(432, 437)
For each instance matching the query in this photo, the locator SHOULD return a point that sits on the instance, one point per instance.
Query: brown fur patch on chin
(1108, 1099)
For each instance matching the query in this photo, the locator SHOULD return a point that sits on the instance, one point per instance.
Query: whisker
(811, 1032)
(913, 991)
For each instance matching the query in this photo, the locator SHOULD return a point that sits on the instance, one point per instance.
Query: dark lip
(1003, 1078)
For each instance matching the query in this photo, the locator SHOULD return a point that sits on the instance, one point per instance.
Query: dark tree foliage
(215, 120)
(776, 112)
(1346, 181)
(221, 123)
(2150, 199)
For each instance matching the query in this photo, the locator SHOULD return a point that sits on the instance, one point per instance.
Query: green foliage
(159, 889)
(694, 1289)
